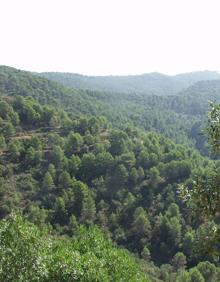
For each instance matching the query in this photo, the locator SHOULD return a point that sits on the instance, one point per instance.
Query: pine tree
(48, 183)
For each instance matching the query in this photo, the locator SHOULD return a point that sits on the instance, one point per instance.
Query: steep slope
(67, 171)
(17, 82)
(152, 83)
(63, 171)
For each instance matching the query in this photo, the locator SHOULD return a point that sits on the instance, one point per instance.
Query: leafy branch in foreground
(29, 254)
(203, 197)
(213, 128)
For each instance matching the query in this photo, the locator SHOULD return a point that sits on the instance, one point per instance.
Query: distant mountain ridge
(151, 83)
(179, 117)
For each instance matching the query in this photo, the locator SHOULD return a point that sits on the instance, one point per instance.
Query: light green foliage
(57, 155)
(209, 271)
(213, 128)
(23, 252)
(65, 180)
(27, 254)
(183, 276)
(8, 130)
(196, 276)
(74, 143)
(48, 183)
(74, 164)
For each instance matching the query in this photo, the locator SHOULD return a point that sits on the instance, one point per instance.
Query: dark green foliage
(120, 186)
(64, 169)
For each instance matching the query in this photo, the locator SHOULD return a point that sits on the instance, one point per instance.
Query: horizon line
(112, 75)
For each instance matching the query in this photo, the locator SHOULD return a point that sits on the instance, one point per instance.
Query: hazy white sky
(110, 36)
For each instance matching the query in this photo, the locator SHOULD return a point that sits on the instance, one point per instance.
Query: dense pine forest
(93, 181)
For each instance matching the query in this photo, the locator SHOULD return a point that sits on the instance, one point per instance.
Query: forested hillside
(66, 172)
(152, 83)
(180, 117)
